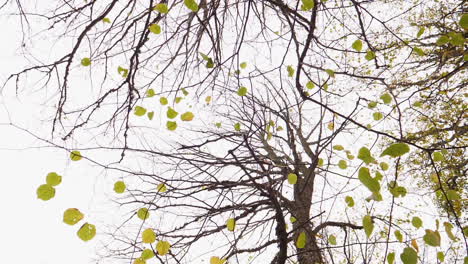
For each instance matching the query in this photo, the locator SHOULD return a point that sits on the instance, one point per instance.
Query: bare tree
(287, 109)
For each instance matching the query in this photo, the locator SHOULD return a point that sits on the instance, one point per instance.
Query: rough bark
(303, 190)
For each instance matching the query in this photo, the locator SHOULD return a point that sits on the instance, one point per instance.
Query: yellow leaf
(162, 187)
(187, 116)
(292, 178)
(139, 261)
(72, 216)
(415, 245)
(163, 247)
(231, 224)
(301, 240)
(216, 260)
(148, 236)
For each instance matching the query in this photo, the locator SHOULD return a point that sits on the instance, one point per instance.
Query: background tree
(272, 131)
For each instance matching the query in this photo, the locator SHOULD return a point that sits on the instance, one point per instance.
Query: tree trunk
(303, 190)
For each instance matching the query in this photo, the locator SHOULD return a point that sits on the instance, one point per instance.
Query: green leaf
(398, 235)
(171, 113)
(437, 156)
(396, 150)
(148, 236)
(119, 187)
(86, 62)
(147, 254)
(290, 70)
(150, 93)
(320, 162)
(419, 51)
(377, 116)
(378, 176)
(383, 166)
(237, 127)
(192, 5)
(53, 179)
(139, 261)
(143, 213)
(292, 219)
(370, 55)
(307, 5)
(301, 240)
(372, 184)
(163, 101)
(204, 56)
(330, 72)
(86, 232)
(45, 192)
(442, 40)
(386, 98)
(210, 63)
(332, 239)
(161, 8)
(375, 196)
(292, 178)
(409, 256)
(338, 147)
(243, 65)
(231, 224)
(441, 256)
(456, 38)
(122, 71)
(163, 247)
(187, 116)
(171, 125)
(416, 222)
(139, 111)
(420, 32)
(368, 225)
(161, 188)
(365, 155)
(349, 201)
(448, 229)
(342, 164)
(218, 124)
(242, 91)
(357, 45)
(372, 104)
(432, 238)
(150, 115)
(106, 20)
(464, 21)
(72, 216)
(155, 29)
(453, 195)
(391, 258)
(395, 190)
(75, 155)
(310, 85)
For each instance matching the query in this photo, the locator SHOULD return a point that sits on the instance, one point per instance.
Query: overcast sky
(31, 230)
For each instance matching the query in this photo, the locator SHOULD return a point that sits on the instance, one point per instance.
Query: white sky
(31, 230)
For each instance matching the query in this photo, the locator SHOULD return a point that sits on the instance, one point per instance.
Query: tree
(286, 131)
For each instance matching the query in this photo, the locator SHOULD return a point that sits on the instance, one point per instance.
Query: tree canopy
(240, 131)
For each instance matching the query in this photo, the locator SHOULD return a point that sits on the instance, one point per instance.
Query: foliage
(276, 99)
